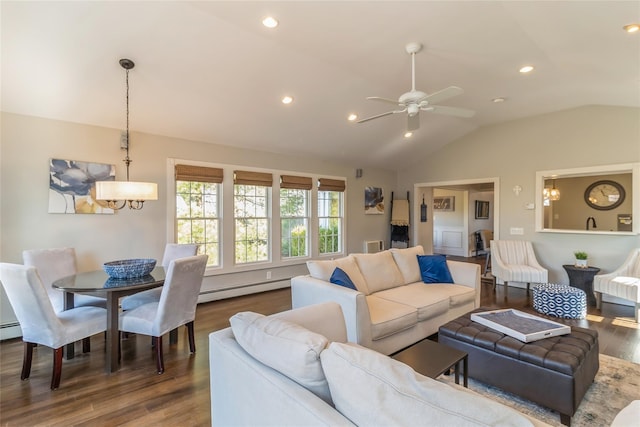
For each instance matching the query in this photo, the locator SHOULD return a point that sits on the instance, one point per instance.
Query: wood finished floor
(137, 396)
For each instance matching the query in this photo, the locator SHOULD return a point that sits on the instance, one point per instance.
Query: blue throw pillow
(339, 277)
(434, 269)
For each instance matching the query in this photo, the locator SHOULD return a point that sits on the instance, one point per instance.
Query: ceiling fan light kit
(414, 101)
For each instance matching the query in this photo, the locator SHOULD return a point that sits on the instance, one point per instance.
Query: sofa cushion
(389, 317)
(323, 270)
(407, 262)
(339, 277)
(379, 271)
(284, 346)
(416, 295)
(434, 269)
(384, 392)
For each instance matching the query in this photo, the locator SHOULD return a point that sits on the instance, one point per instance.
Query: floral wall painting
(72, 186)
(373, 201)
(444, 203)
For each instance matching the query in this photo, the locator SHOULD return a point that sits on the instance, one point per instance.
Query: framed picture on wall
(373, 201)
(482, 209)
(444, 203)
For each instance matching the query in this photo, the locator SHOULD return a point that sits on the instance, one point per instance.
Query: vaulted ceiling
(210, 71)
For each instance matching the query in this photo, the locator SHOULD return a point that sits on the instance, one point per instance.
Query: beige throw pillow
(372, 389)
(284, 346)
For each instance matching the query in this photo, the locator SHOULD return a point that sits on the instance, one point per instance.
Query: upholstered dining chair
(39, 322)
(172, 251)
(176, 307)
(623, 282)
(53, 264)
(515, 261)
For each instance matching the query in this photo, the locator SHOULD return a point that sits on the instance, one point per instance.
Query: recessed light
(287, 99)
(270, 22)
(632, 28)
(526, 69)
(352, 117)
(408, 134)
(498, 100)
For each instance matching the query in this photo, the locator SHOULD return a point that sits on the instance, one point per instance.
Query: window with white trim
(330, 215)
(252, 223)
(198, 209)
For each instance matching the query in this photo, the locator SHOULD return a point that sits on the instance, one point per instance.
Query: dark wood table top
(99, 281)
(430, 358)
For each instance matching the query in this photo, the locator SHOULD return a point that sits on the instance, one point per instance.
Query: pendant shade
(126, 190)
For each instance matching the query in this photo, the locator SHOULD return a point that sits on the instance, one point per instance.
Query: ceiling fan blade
(451, 111)
(387, 100)
(377, 117)
(443, 94)
(413, 122)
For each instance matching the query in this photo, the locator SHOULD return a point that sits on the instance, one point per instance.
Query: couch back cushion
(382, 391)
(407, 262)
(323, 270)
(284, 346)
(379, 270)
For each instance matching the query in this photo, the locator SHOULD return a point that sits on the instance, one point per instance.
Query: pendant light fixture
(119, 194)
(553, 193)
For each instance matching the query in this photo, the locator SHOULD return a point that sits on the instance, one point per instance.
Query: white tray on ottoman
(519, 325)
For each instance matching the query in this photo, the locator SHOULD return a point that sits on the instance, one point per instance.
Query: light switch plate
(516, 231)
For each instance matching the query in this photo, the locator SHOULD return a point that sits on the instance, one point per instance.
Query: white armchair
(623, 283)
(515, 261)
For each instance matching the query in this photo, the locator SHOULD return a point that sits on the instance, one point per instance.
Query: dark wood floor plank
(137, 395)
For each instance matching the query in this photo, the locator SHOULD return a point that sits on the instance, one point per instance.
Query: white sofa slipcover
(392, 308)
(247, 392)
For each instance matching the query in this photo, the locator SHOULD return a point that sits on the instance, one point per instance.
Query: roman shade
(326, 184)
(252, 178)
(296, 182)
(199, 174)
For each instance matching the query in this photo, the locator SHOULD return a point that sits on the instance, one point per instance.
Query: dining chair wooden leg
(159, 360)
(192, 338)
(57, 367)
(26, 360)
(86, 345)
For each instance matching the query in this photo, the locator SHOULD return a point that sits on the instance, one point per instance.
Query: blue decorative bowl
(129, 268)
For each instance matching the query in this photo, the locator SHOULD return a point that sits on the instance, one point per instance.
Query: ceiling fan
(415, 101)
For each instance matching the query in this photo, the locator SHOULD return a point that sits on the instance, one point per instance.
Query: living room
(48, 112)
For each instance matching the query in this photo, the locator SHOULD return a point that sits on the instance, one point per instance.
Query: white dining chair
(53, 264)
(176, 307)
(515, 261)
(172, 251)
(39, 322)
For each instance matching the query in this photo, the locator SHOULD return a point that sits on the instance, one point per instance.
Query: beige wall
(514, 151)
(28, 143)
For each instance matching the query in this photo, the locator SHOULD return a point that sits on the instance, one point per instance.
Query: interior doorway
(451, 218)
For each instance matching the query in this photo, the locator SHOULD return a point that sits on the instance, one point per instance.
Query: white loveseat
(392, 308)
(293, 369)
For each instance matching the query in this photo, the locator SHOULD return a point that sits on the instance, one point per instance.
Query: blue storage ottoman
(562, 301)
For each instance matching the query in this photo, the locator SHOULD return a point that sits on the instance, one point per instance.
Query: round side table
(582, 278)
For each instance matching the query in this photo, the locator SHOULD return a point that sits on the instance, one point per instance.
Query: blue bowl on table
(129, 268)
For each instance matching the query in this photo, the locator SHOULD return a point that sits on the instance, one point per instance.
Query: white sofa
(293, 369)
(392, 308)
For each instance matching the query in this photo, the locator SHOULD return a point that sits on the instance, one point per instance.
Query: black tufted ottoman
(554, 372)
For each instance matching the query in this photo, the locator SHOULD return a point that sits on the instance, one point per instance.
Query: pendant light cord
(127, 161)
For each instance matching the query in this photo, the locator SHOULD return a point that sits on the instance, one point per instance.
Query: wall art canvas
(373, 201)
(444, 203)
(72, 186)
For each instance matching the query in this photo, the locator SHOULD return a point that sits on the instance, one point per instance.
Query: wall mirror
(599, 200)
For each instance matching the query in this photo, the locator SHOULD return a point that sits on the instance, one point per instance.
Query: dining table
(98, 283)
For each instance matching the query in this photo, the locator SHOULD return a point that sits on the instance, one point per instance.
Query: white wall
(514, 151)
(28, 143)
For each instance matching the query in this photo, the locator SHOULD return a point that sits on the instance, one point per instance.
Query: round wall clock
(604, 195)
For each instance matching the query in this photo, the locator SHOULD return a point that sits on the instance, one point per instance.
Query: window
(198, 209)
(330, 215)
(294, 216)
(251, 216)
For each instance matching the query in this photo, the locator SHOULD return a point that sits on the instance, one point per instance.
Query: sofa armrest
(305, 290)
(238, 381)
(466, 274)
